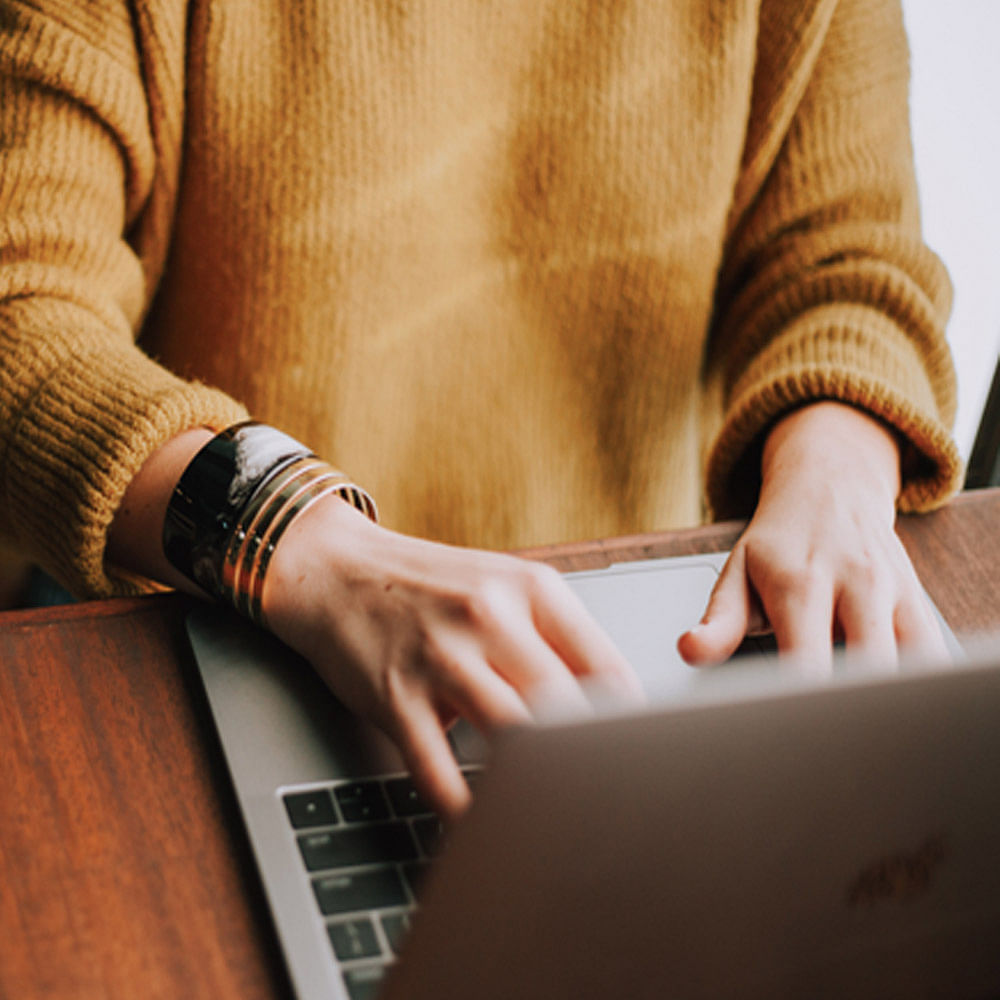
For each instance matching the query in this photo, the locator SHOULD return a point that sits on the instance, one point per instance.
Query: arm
(85, 165)
(95, 434)
(410, 633)
(828, 294)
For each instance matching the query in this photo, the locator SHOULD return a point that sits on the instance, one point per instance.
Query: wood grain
(956, 552)
(124, 870)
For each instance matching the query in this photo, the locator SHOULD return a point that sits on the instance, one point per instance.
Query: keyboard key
(429, 832)
(396, 927)
(415, 874)
(364, 890)
(362, 802)
(353, 939)
(364, 984)
(756, 645)
(358, 845)
(313, 808)
(405, 799)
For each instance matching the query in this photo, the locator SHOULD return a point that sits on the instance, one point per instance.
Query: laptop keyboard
(365, 846)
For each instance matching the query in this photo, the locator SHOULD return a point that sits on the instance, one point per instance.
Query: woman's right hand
(410, 633)
(413, 634)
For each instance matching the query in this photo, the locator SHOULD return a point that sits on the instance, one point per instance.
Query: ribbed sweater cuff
(86, 433)
(852, 354)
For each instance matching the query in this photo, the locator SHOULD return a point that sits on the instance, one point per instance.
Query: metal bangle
(299, 505)
(282, 501)
(215, 487)
(256, 516)
(235, 500)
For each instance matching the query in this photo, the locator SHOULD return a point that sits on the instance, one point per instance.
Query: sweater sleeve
(81, 407)
(827, 290)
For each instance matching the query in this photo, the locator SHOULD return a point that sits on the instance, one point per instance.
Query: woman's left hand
(820, 560)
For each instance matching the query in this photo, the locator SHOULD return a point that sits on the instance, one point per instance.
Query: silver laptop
(751, 833)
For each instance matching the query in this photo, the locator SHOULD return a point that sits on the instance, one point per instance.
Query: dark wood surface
(124, 871)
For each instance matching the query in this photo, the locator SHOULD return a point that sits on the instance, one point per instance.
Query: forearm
(81, 407)
(135, 541)
(827, 289)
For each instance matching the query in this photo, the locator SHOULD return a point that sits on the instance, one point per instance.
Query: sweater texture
(528, 270)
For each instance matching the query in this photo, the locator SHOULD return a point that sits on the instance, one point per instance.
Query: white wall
(955, 110)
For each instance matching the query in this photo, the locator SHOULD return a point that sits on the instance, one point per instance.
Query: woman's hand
(413, 634)
(820, 560)
(410, 633)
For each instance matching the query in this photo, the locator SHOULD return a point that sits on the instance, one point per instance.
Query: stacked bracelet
(235, 501)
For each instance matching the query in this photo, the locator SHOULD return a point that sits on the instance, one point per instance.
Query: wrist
(834, 442)
(134, 536)
(233, 504)
(332, 545)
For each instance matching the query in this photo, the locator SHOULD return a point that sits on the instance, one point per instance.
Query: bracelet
(293, 489)
(234, 502)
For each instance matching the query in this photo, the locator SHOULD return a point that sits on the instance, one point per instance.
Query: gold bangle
(305, 499)
(256, 518)
(261, 524)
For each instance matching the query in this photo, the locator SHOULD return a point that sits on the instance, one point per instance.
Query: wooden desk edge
(954, 550)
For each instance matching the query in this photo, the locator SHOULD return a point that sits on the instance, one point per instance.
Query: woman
(529, 271)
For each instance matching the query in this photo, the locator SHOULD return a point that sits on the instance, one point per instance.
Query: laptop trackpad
(646, 607)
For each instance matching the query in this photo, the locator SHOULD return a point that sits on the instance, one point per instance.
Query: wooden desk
(124, 871)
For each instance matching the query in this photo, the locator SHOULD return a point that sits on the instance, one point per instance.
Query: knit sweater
(528, 270)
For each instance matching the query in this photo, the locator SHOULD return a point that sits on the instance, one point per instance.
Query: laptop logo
(900, 876)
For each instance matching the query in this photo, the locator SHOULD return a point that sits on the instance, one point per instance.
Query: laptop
(751, 832)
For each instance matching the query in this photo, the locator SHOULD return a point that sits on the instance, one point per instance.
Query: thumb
(727, 618)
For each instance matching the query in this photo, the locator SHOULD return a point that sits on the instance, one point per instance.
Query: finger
(799, 605)
(866, 620)
(579, 642)
(429, 758)
(917, 626)
(473, 689)
(918, 629)
(533, 668)
(726, 619)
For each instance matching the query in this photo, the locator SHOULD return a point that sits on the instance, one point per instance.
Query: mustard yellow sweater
(529, 270)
